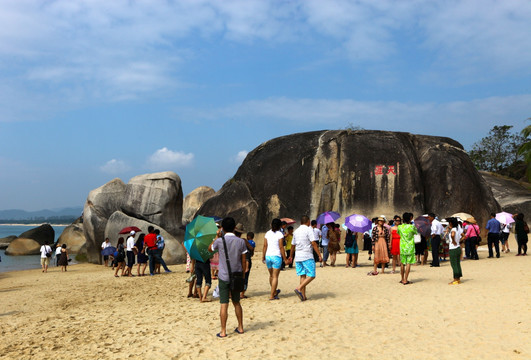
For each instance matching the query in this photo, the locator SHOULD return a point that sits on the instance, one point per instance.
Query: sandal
(372, 273)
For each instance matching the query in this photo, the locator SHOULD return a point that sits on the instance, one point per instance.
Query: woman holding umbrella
(380, 241)
(521, 230)
(273, 254)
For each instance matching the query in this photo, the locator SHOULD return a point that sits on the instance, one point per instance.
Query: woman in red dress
(395, 243)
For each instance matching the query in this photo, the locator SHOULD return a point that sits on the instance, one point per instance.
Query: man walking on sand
(436, 232)
(493, 236)
(303, 245)
(236, 250)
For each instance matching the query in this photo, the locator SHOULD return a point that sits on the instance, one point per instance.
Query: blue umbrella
(198, 236)
(328, 217)
(108, 251)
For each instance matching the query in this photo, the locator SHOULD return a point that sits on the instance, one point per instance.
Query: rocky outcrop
(513, 196)
(23, 246)
(73, 236)
(44, 234)
(194, 200)
(365, 172)
(153, 198)
(4, 242)
(174, 252)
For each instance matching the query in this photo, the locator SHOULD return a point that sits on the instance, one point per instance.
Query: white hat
(132, 232)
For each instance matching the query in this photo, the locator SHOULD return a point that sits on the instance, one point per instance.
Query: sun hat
(132, 232)
(381, 218)
(471, 220)
(239, 228)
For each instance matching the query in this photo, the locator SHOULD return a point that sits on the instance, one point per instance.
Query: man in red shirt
(150, 241)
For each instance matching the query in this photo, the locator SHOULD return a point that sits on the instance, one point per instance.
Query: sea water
(12, 263)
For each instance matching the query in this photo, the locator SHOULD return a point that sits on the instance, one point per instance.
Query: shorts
(45, 261)
(130, 259)
(306, 267)
(274, 262)
(202, 270)
(224, 290)
(407, 259)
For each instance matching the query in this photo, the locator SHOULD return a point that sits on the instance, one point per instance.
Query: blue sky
(93, 90)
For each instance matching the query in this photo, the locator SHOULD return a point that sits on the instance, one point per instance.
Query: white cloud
(165, 159)
(241, 156)
(114, 167)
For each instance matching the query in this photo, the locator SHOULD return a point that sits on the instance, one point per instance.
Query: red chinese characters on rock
(380, 170)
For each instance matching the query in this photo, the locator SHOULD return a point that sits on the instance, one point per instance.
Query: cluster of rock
(364, 172)
(29, 242)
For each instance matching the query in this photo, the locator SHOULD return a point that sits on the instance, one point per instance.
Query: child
(249, 242)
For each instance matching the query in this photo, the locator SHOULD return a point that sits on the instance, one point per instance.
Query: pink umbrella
(505, 218)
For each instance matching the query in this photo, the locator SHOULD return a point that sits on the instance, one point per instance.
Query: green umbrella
(198, 236)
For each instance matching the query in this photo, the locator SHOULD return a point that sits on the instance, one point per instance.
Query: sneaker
(168, 271)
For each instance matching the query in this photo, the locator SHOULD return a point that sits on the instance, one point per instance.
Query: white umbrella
(505, 218)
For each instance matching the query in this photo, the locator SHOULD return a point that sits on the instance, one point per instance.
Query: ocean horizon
(25, 262)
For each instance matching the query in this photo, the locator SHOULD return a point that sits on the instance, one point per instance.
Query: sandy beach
(86, 313)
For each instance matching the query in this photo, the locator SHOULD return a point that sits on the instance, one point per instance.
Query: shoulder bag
(236, 279)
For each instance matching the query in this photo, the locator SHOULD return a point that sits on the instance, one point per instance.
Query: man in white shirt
(130, 243)
(436, 232)
(46, 254)
(302, 246)
(316, 235)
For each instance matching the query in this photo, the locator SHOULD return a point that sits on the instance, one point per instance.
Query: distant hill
(16, 214)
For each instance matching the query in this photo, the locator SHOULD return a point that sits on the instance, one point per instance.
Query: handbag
(478, 237)
(236, 278)
(48, 253)
(417, 238)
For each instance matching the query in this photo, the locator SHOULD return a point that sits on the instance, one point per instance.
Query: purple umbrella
(328, 217)
(358, 223)
(505, 218)
(423, 226)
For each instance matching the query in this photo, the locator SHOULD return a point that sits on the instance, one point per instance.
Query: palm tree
(525, 149)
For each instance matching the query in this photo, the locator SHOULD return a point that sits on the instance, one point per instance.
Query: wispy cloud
(165, 159)
(241, 156)
(115, 167)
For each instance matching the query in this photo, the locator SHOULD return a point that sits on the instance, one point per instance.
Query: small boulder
(194, 200)
(73, 236)
(4, 242)
(23, 246)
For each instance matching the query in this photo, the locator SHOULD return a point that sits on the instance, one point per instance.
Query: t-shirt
(44, 250)
(130, 243)
(316, 233)
(324, 236)
(289, 238)
(105, 244)
(150, 241)
(507, 228)
(236, 248)
(272, 238)
(58, 251)
(456, 232)
(302, 240)
(407, 242)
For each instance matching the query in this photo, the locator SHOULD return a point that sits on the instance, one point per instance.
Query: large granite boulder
(174, 252)
(153, 198)
(73, 236)
(363, 172)
(194, 200)
(513, 196)
(44, 234)
(23, 246)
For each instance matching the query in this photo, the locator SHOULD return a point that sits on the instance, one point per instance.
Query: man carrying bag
(232, 264)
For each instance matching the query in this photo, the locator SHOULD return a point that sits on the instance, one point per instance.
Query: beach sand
(86, 313)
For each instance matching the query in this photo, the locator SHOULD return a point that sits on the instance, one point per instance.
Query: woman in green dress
(407, 232)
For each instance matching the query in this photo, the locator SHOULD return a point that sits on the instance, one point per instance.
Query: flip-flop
(407, 283)
(299, 294)
(238, 331)
(278, 292)
(275, 298)
(219, 335)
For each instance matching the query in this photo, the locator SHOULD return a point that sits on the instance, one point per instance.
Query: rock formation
(513, 196)
(23, 246)
(363, 172)
(44, 234)
(194, 200)
(4, 242)
(73, 236)
(155, 199)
